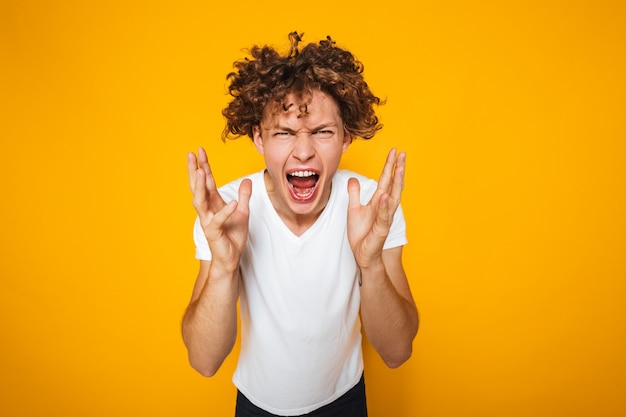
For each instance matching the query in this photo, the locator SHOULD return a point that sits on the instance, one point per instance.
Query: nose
(303, 147)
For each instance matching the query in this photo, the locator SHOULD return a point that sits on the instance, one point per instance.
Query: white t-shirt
(301, 332)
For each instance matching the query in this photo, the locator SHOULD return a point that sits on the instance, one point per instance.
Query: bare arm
(388, 311)
(210, 322)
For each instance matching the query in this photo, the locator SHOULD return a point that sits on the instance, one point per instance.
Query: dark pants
(350, 404)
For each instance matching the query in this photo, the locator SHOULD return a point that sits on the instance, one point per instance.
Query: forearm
(390, 320)
(210, 322)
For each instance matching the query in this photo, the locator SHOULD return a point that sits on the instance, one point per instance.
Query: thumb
(354, 193)
(245, 190)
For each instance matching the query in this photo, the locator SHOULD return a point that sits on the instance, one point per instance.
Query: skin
(313, 143)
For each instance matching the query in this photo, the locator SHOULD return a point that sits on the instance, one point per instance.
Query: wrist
(371, 265)
(223, 270)
(371, 272)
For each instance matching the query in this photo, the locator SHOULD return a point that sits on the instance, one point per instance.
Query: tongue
(303, 186)
(303, 182)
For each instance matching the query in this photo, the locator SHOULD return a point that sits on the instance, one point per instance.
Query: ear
(347, 140)
(257, 139)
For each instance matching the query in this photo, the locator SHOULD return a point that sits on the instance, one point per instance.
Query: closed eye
(323, 134)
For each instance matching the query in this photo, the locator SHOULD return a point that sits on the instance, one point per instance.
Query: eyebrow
(321, 126)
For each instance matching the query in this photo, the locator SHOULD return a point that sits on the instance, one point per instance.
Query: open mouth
(302, 184)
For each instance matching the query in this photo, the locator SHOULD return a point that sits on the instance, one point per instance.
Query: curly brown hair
(267, 78)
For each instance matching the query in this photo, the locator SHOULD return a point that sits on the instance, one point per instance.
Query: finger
(380, 227)
(203, 160)
(245, 191)
(384, 183)
(192, 167)
(200, 193)
(398, 178)
(354, 193)
(215, 228)
(203, 163)
(384, 217)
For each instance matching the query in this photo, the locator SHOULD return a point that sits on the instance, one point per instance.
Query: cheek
(332, 151)
(275, 156)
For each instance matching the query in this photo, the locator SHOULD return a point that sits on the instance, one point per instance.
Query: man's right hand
(225, 225)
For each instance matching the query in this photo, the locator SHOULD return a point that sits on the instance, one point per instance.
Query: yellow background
(512, 114)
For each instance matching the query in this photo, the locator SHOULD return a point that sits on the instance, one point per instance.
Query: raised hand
(368, 225)
(225, 225)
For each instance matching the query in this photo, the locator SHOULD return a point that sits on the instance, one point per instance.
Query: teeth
(302, 173)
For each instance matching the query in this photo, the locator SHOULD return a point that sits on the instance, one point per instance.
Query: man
(310, 251)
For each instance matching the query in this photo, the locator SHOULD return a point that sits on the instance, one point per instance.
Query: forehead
(307, 109)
